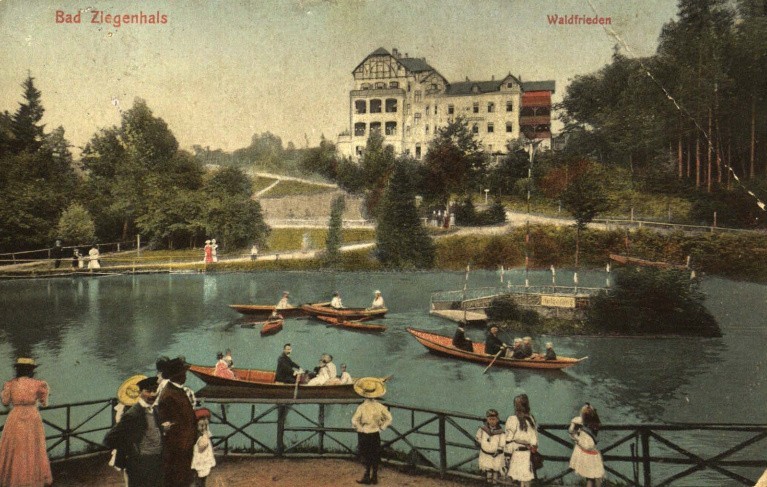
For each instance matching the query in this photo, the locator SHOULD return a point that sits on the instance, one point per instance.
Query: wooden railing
(442, 442)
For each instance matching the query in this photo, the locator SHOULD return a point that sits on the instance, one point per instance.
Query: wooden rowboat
(271, 327)
(256, 383)
(624, 259)
(352, 325)
(266, 310)
(324, 309)
(442, 345)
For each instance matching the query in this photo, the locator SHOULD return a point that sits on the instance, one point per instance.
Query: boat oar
(295, 389)
(494, 359)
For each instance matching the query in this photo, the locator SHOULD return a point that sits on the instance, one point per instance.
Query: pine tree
(335, 230)
(27, 132)
(401, 240)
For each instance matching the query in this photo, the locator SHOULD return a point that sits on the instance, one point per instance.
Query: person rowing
(493, 343)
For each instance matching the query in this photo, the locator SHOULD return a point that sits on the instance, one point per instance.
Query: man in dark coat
(493, 344)
(460, 341)
(286, 368)
(177, 419)
(138, 439)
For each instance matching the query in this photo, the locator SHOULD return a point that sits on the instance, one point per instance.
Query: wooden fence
(442, 442)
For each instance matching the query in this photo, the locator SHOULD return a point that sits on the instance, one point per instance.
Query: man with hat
(493, 343)
(370, 418)
(287, 370)
(179, 425)
(378, 302)
(283, 303)
(138, 436)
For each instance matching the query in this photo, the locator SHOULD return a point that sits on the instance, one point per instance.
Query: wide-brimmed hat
(285, 293)
(377, 292)
(201, 413)
(25, 362)
(128, 392)
(370, 387)
(174, 367)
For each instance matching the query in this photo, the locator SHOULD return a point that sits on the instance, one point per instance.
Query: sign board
(558, 301)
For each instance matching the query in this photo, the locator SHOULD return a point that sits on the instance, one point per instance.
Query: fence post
(442, 445)
(645, 437)
(321, 421)
(67, 444)
(282, 412)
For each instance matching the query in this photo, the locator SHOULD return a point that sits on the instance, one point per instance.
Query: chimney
(395, 52)
(406, 55)
(467, 79)
(492, 78)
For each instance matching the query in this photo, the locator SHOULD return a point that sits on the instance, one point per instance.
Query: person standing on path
(214, 250)
(586, 460)
(521, 438)
(93, 258)
(23, 456)
(179, 425)
(57, 252)
(370, 418)
(138, 439)
(491, 440)
(208, 252)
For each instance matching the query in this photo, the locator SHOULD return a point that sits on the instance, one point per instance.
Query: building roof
(414, 64)
(467, 87)
(379, 52)
(548, 85)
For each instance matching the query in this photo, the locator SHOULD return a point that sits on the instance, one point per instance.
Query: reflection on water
(104, 329)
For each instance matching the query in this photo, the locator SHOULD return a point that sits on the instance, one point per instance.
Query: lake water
(90, 334)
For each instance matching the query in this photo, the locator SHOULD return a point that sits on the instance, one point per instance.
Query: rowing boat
(624, 259)
(352, 325)
(443, 345)
(271, 327)
(266, 310)
(260, 384)
(323, 309)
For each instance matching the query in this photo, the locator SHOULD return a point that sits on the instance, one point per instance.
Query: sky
(219, 72)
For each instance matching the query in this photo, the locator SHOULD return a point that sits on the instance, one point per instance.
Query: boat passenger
(378, 302)
(325, 372)
(222, 368)
(527, 347)
(460, 341)
(550, 353)
(493, 344)
(336, 301)
(283, 303)
(287, 370)
(346, 378)
(228, 358)
(275, 316)
(516, 351)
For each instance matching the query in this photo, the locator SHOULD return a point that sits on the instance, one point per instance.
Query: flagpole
(465, 285)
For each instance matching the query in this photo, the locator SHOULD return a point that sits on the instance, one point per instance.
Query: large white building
(408, 100)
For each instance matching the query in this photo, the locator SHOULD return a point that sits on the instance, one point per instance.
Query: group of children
(508, 452)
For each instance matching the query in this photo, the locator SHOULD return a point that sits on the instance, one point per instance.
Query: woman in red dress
(23, 455)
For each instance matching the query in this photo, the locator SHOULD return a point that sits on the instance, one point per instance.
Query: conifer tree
(25, 124)
(335, 229)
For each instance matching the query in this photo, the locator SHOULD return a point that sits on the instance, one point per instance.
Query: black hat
(148, 384)
(174, 367)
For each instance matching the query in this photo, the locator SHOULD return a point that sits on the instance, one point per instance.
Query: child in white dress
(586, 459)
(521, 439)
(492, 440)
(202, 459)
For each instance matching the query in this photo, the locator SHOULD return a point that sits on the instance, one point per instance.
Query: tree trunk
(752, 171)
(577, 244)
(708, 153)
(679, 156)
(697, 162)
(689, 158)
(125, 231)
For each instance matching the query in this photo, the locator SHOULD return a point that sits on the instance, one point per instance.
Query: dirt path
(249, 472)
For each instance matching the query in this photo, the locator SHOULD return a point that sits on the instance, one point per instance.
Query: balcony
(378, 93)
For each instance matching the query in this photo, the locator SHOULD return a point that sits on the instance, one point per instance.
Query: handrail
(432, 440)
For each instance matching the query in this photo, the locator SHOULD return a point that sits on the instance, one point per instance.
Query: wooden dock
(475, 317)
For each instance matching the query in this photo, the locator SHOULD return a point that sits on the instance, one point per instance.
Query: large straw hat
(128, 391)
(25, 362)
(370, 387)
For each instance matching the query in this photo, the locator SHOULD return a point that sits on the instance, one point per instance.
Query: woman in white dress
(521, 437)
(93, 258)
(586, 459)
(491, 440)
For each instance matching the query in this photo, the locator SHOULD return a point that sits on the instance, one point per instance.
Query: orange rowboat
(271, 327)
(352, 325)
(322, 309)
(266, 309)
(442, 345)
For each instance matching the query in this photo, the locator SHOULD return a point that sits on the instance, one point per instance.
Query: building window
(391, 128)
(490, 128)
(509, 85)
(427, 110)
(418, 151)
(417, 118)
(509, 127)
(476, 107)
(359, 129)
(490, 107)
(360, 106)
(365, 86)
(407, 130)
(393, 84)
(436, 109)
(408, 87)
(408, 109)
(380, 85)
(417, 96)
(426, 130)
(474, 128)
(375, 106)
(528, 112)
(358, 150)
(375, 126)
(450, 109)
(391, 105)
(509, 106)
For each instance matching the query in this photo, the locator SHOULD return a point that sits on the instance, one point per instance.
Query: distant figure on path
(57, 252)
(138, 439)
(336, 301)
(76, 259)
(287, 370)
(492, 440)
(214, 250)
(254, 252)
(521, 438)
(461, 342)
(283, 302)
(208, 258)
(378, 301)
(370, 418)
(93, 258)
(179, 426)
(586, 460)
(23, 457)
